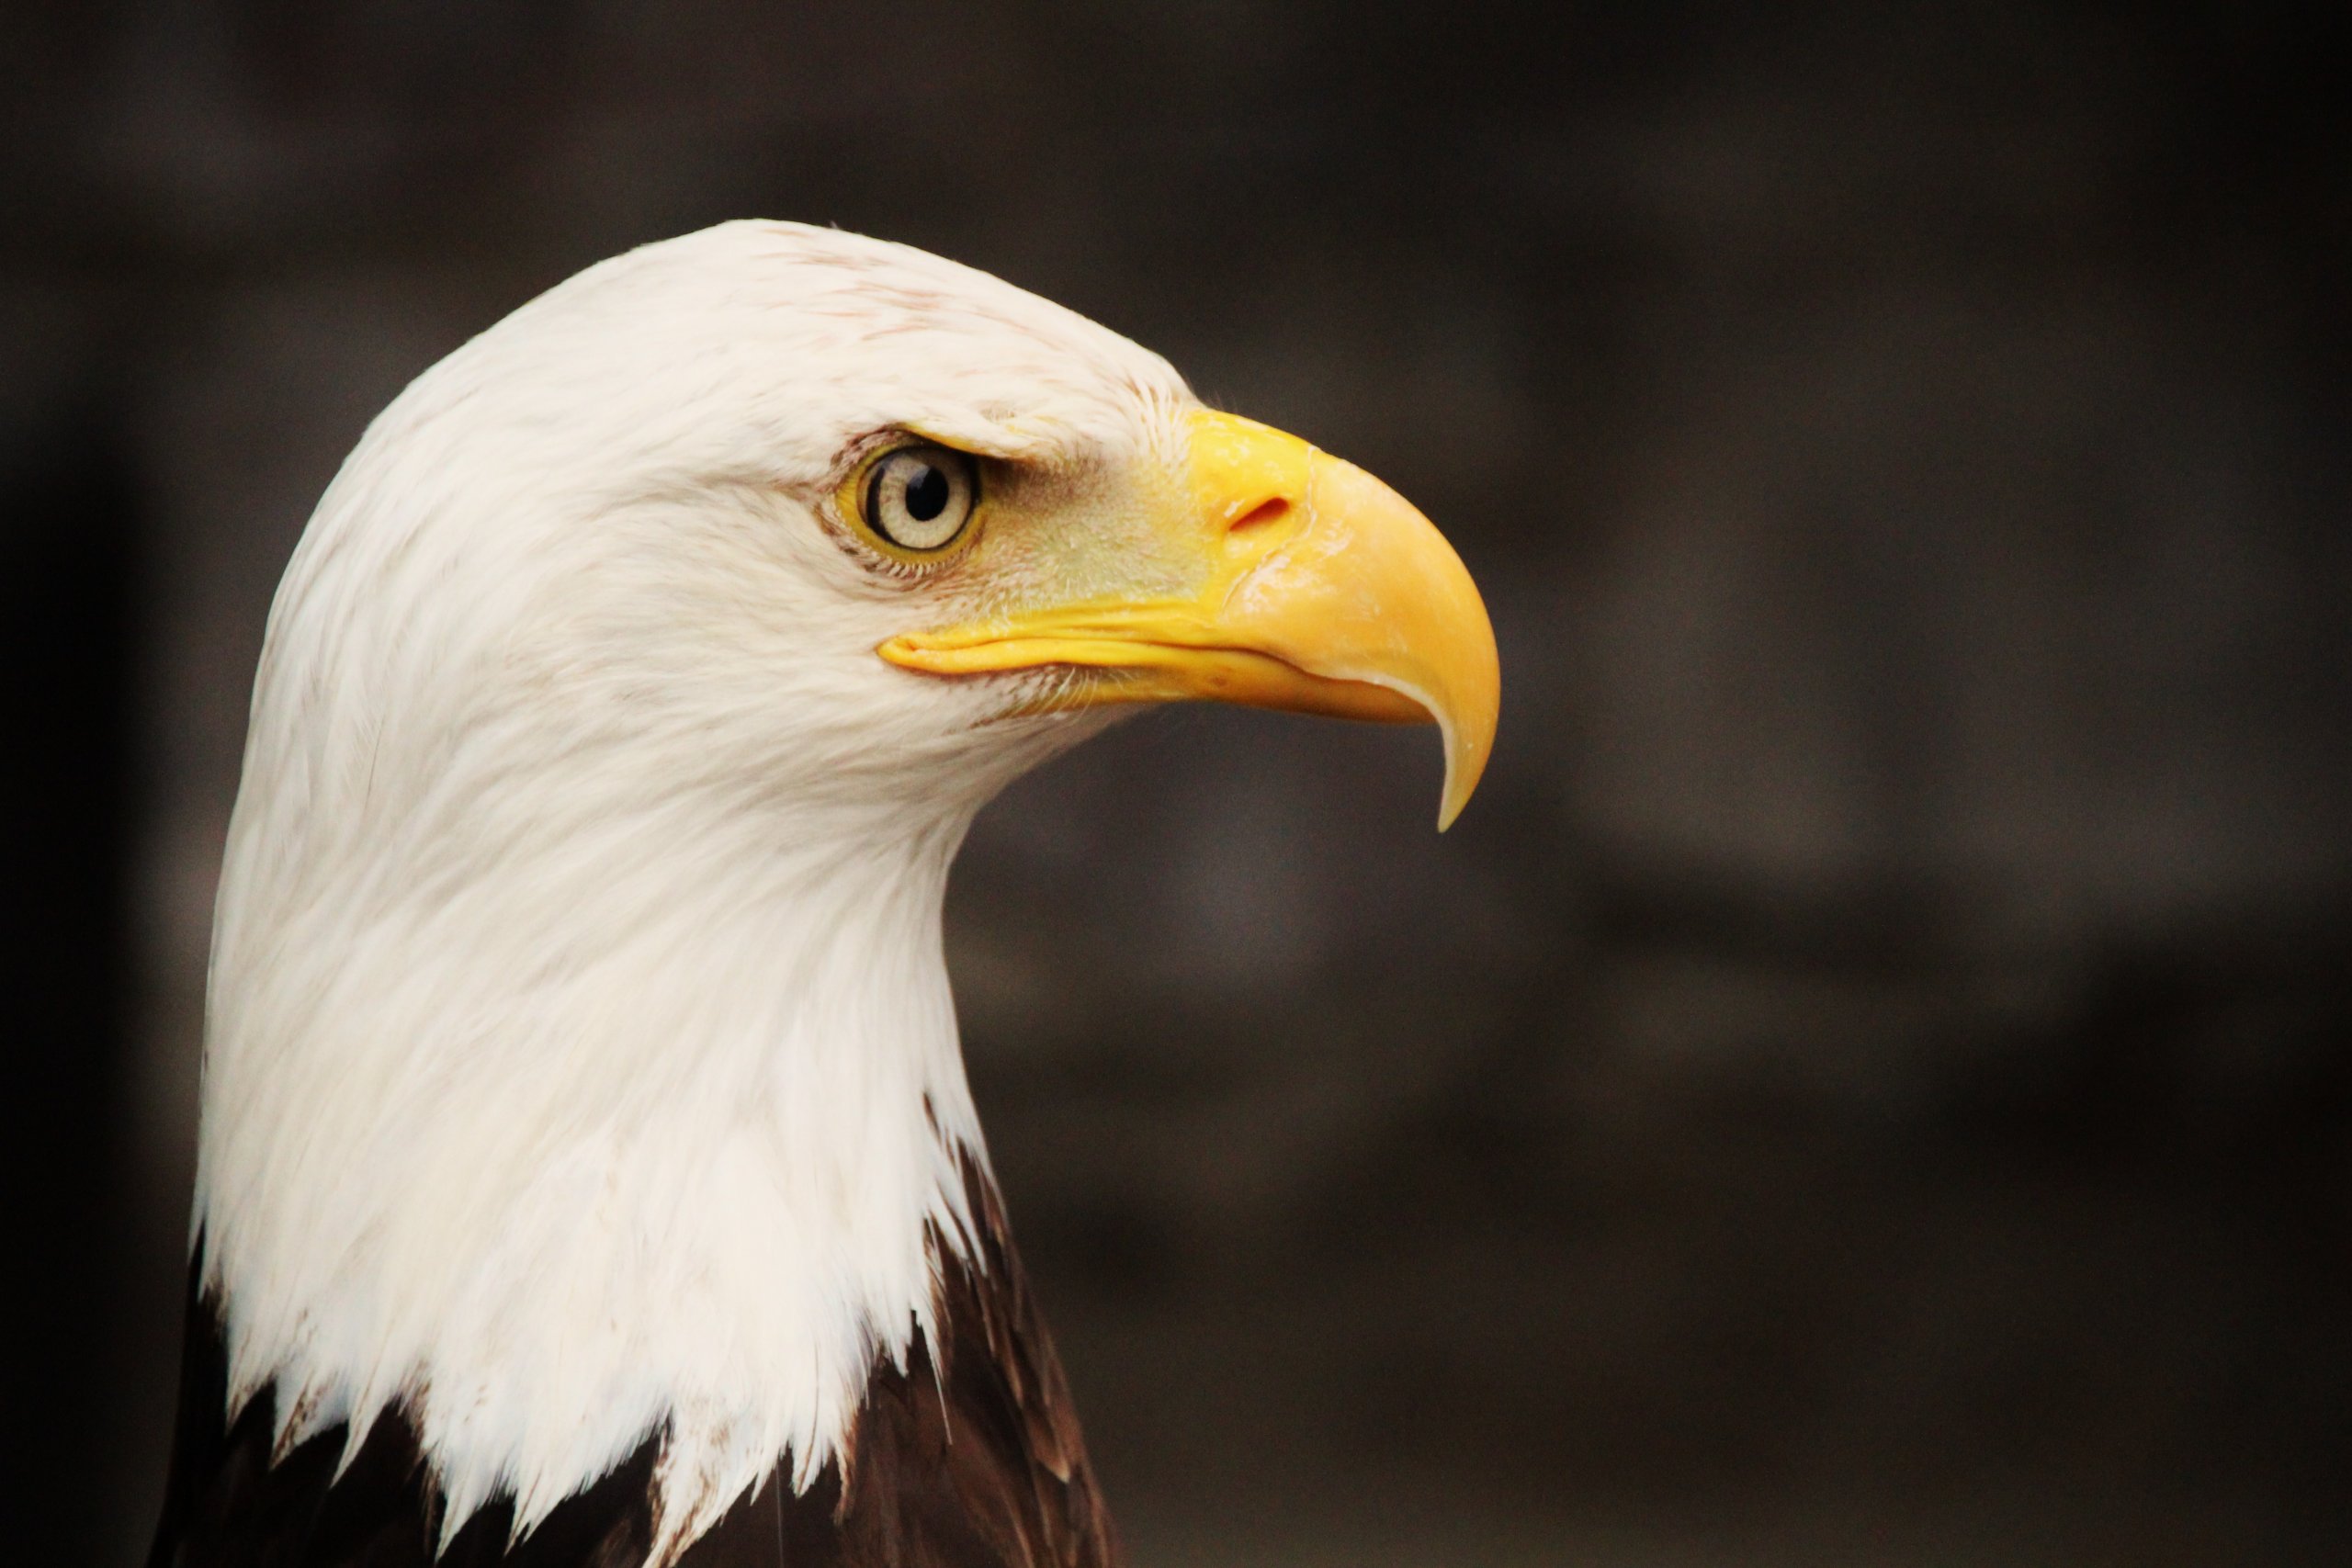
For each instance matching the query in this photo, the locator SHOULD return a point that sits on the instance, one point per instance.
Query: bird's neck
(646, 1130)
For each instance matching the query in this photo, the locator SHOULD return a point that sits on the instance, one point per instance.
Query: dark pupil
(926, 494)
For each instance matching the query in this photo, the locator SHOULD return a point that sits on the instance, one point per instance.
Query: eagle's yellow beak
(1320, 590)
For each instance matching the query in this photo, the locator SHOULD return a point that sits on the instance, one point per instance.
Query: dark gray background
(1867, 1080)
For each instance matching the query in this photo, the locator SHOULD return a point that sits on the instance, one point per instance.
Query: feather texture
(968, 1456)
(585, 1136)
(580, 1058)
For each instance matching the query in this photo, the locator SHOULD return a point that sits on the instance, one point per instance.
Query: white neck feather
(677, 1166)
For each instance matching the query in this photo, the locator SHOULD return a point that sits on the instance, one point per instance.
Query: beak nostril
(1273, 509)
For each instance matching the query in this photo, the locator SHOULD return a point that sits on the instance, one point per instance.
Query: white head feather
(580, 1061)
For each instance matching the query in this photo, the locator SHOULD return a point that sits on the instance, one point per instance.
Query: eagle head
(580, 1069)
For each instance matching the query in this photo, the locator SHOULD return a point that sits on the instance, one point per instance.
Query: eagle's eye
(920, 498)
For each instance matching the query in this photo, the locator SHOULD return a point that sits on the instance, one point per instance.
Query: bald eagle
(588, 1173)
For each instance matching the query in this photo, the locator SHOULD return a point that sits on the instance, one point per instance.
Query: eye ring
(919, 499)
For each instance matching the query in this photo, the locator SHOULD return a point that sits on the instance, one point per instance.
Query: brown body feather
(969, 1458)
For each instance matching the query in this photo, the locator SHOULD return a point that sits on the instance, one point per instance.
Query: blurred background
(1870, 1079)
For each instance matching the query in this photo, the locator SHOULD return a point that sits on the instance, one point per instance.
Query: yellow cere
(1257, 569)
